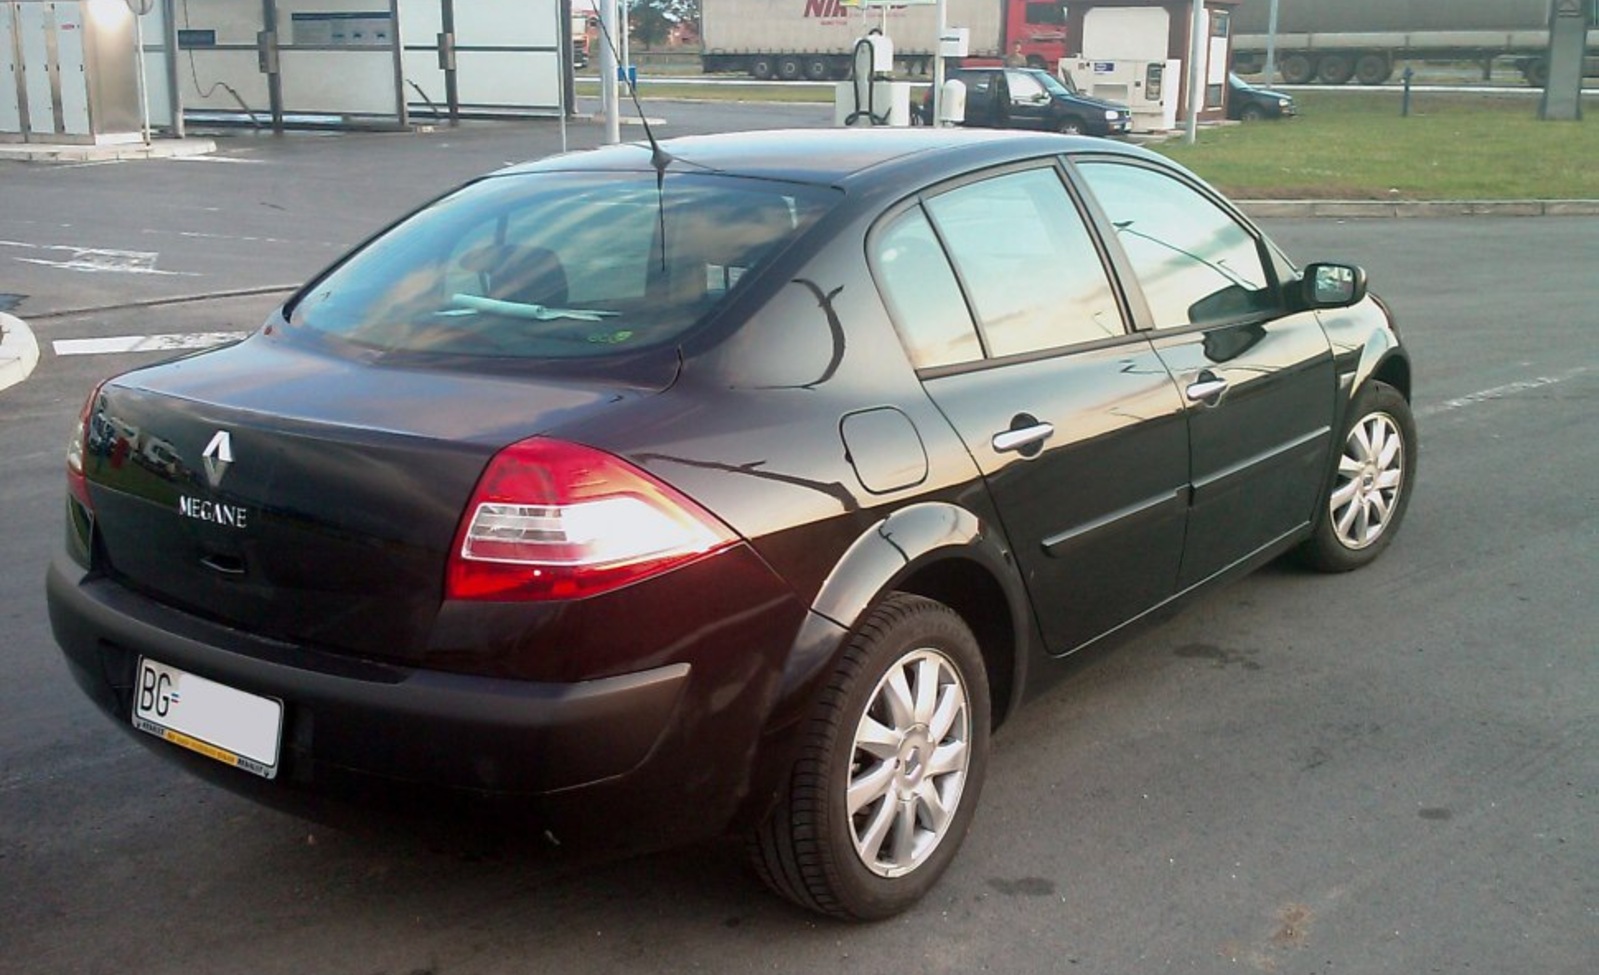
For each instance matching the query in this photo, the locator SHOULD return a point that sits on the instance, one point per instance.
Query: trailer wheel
(790, 69)
(1373, 69)
(1335, 69)
(817, 69)
(1536, 71)
(761, 68)
(1296, 69)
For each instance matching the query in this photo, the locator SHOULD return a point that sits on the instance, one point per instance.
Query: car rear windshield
(559, 265)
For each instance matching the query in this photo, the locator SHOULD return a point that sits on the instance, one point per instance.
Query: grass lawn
(1356, 146)
(1348, 145)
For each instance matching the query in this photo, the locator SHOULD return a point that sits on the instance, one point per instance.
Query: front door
(1257, 381)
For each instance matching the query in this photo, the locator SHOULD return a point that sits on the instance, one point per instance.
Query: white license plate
(217, 721)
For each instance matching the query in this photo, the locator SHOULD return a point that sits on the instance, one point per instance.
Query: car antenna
(659, 158)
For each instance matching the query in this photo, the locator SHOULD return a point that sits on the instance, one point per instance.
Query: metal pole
(144, 89)
(569, 59)
(402, 104)
(938, 64)
(563, 29)
(269, 20)
(1199, 34)
(608, 100)
(452, 85)
(1271, 45)
(174, 84)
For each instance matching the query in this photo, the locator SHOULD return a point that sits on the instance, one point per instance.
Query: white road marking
(1500, 392)
(96, 260)
(143, 343)
(199, 235)
(220, 159)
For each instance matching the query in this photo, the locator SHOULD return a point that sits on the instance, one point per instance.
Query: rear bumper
(353, 727)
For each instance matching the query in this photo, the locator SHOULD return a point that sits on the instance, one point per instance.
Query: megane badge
(218, 455)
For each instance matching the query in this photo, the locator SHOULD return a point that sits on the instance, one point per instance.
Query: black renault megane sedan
(742, 484)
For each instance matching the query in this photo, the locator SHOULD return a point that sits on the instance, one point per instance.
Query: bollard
(1404, 104)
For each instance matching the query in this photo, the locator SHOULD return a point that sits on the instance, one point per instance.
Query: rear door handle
(1020, 439)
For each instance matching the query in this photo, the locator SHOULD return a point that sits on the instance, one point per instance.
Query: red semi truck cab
(1040, 27)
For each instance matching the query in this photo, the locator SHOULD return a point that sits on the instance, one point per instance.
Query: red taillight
(555, 520)
(77, 481)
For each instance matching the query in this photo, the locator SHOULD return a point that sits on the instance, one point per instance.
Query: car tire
(1070, 125)
(1366, 496)
(1335, 69)
(900, 732)
(1251, 113)
(1296, 69)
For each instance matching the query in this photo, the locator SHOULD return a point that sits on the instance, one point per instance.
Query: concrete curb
(1359, 209)
(19, 352)
(160, 149)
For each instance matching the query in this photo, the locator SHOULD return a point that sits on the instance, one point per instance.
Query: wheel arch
(938, 550)
(946, 553)
(1394, 369)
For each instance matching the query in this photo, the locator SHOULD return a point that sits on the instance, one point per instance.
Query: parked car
(742, 485)
(1029, 98)
(1251, 103)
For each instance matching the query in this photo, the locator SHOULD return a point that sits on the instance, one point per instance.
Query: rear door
(983, 92)
(1003, 301)
(1257, 381)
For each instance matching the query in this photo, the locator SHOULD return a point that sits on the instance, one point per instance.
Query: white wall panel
(508, 23)
(338, 82)
(511, 79)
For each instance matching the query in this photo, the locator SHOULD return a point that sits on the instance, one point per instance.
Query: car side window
(1027, 262)
(1194, 262)
(1025, 89)
(923, 296)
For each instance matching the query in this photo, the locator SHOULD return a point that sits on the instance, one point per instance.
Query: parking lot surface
(1392, 771)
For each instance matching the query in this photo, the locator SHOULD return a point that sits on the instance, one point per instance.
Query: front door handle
(1207, 389)
(1023, 440)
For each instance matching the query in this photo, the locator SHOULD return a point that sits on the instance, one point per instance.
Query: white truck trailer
(1332, 41)
(796, 40)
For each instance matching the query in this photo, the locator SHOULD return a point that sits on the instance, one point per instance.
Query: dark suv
(743, 484)
(1251, 103)
(1029, 98)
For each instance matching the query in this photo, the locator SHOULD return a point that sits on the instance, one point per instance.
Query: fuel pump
(871, 96)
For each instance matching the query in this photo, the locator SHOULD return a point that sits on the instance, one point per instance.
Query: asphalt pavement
(1388, 772)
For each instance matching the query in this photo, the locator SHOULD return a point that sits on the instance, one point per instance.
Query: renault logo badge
(218, 455)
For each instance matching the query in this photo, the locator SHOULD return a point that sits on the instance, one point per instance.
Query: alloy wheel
(1371, 475)
(911, 752)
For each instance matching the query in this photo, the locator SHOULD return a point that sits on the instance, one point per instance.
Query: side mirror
(1333, 285)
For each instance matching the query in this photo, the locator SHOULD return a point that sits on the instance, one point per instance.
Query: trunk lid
(308, 497)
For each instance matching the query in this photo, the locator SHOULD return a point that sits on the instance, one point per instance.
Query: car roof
(830, 156)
